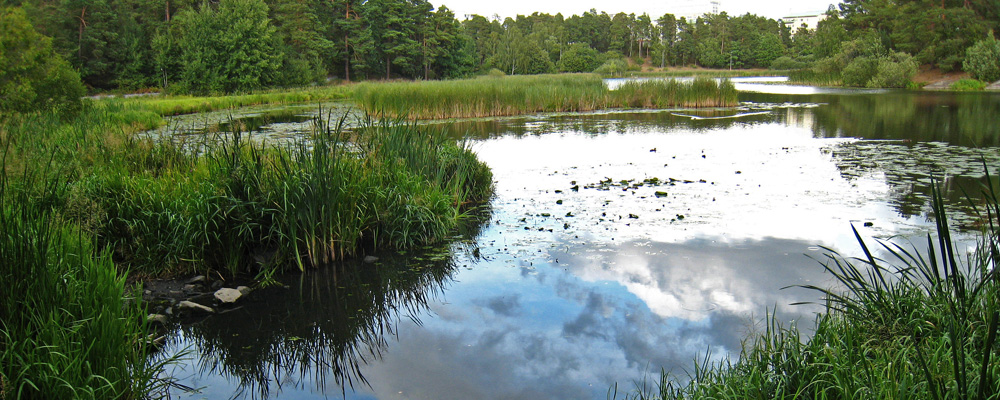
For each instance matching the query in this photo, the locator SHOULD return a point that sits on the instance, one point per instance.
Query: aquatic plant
(514, 95)
(68, 326)
(922, 324)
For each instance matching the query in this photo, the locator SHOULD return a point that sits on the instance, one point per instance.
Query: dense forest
(239, 45)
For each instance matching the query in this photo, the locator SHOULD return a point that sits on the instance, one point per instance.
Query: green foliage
(787, 63)
(865, 62)
(232, 49)
(515, 95)
(612, 68)
(968, 85)
(69, 327)
(32, 76)
(982, 60)
(579, 58)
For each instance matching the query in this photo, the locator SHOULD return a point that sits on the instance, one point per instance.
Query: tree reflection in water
(322, 326)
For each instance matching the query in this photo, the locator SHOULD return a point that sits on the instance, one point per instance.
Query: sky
(511, 8)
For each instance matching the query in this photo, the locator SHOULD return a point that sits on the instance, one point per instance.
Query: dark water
(618, 244)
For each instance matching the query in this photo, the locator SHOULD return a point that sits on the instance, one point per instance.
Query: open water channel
(618, 243)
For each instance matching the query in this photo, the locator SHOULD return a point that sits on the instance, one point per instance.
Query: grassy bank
(85, 205)
(69, 328)
(920, 325)
(514, 95)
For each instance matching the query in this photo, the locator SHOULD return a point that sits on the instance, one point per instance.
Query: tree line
(208, 46)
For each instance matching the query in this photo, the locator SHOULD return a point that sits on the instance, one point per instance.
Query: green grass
(968, 85)
(809, 76)
(177, 104)
(69, 329)
(708, 73)
(490, 96)
(920, 325)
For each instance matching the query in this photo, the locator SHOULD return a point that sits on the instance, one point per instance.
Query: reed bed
(177, 104)
(918, 325)
(69, 329)
(490, 96)
(248, 205)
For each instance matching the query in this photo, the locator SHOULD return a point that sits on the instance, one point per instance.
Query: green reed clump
(700, 92)
(68, 327)
(920, 325)
(322, 199)
(514, 95)
(167, 105)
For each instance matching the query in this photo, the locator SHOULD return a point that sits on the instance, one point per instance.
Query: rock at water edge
(227, 295)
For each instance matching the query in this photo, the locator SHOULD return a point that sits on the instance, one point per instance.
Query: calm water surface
(618, 243)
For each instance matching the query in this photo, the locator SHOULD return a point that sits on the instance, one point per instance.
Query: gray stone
(227, 295)
(190, 288)
(370, 259)
(243, 290)
(217, 285)
(197, 279)
(157, 319)
(192, 306)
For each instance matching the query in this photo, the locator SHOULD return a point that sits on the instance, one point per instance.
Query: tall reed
(68, 326)
(322, 199)
(514, 95)
(920, 324)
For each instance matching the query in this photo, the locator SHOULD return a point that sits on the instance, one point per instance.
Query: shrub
(787, 63)
(579, 57)
(859, 71)
(982, 60)
(894, 71)
(32, 76)
(495, 73)
(611, 68)
(968, 85)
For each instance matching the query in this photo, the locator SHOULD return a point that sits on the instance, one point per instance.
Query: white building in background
(692, 9)
(810, 20)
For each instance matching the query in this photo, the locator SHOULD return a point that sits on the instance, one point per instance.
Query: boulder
(227, 295)
(192, 306)
(243, 290)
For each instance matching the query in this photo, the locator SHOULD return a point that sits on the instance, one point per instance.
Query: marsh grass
(168, 105)
(918, 325)
(68, 326)
(242, 202)
(513, 95)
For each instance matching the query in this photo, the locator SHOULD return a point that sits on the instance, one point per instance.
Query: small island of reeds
(493, 96)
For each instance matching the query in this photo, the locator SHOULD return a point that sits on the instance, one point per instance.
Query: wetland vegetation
(88, 207)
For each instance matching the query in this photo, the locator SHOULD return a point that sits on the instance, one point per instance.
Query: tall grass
(919, 325)
(512, 95)
(387, 183)
(68, 327)
(168, 105)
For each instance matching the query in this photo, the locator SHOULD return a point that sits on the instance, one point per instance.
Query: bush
(495, 73)
(579, 57)
(787, 63)
(982, 60)
(611, 68)
(968, 85)
(859, 71)
(894, 71)
(32, 76)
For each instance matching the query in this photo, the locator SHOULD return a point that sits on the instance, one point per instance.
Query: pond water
(618, 243)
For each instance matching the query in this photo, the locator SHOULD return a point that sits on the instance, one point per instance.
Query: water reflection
(620, 242)
(314, 335)
(962, 119)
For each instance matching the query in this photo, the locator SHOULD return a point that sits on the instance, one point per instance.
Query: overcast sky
(511, 8)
